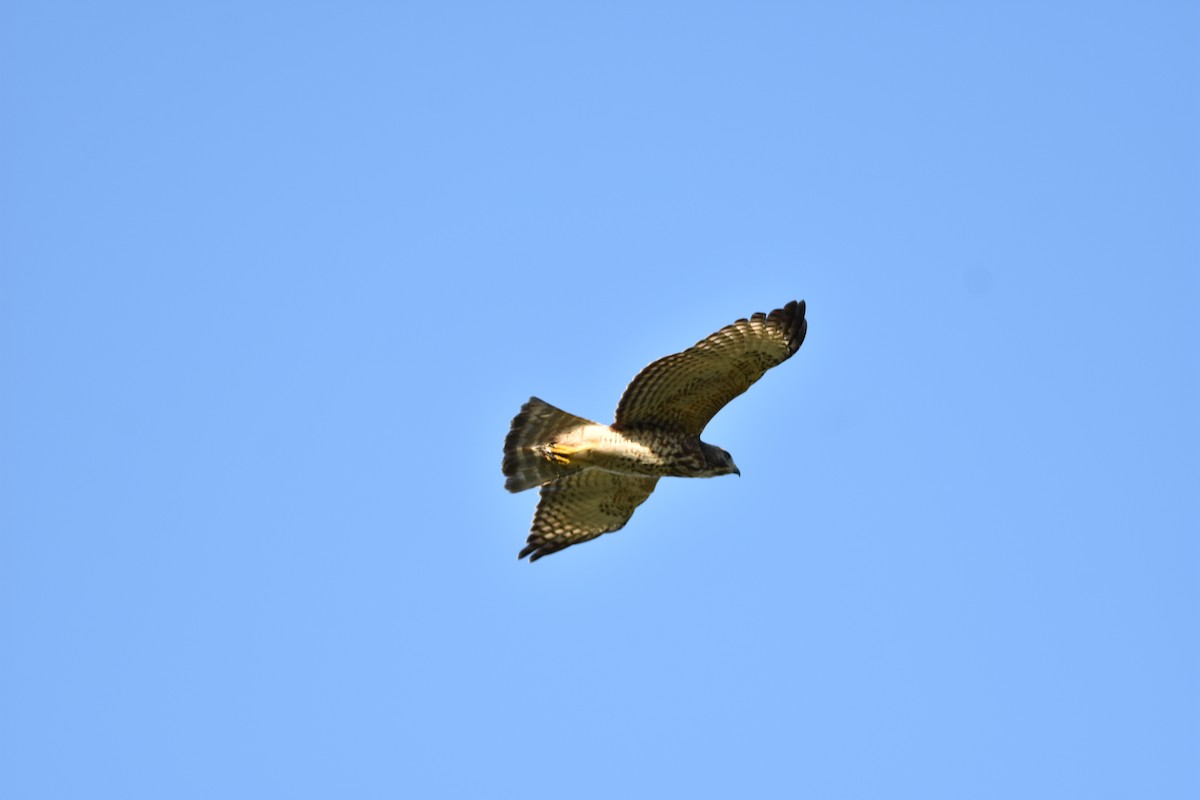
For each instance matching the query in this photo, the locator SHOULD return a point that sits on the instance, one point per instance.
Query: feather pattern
(582, 506)
(682, 392)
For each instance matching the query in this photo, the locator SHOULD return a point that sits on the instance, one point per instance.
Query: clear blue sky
(274, 278)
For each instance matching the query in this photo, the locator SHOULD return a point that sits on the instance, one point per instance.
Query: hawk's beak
(737, 471)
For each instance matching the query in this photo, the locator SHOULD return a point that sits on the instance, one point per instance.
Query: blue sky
(275, 277)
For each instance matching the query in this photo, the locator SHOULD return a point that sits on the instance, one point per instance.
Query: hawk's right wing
(582, 506)
(682, 392)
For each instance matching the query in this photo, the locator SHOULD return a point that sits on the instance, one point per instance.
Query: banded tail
(527, 460)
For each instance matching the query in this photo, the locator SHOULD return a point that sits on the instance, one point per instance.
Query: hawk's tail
(527, 461)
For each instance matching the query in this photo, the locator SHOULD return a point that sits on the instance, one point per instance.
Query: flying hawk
(593, 476)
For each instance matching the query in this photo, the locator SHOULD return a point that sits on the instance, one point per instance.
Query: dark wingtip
(532, 551)
(795, 326)
(792, 316)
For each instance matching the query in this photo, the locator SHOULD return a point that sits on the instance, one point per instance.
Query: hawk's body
(593, 476)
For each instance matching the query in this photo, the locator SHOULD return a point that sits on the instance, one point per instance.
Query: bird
(593, 476)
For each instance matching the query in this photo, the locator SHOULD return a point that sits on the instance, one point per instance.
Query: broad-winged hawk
(593, 476)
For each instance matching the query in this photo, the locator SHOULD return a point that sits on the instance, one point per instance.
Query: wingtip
(792, 316)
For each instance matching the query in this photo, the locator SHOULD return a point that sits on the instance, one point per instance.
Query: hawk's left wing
(582, 506)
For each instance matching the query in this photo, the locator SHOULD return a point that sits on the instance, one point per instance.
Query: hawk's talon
(560, 453)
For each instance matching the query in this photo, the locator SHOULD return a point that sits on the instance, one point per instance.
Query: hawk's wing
(582, 506)
(684, 391)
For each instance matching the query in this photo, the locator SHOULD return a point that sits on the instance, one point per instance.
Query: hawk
(593, 476)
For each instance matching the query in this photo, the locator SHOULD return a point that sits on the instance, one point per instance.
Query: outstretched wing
(582, 506)
(682, 392)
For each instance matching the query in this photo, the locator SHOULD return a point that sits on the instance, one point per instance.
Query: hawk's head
(717, 462)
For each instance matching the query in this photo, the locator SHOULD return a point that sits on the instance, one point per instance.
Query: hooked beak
(737, 471)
